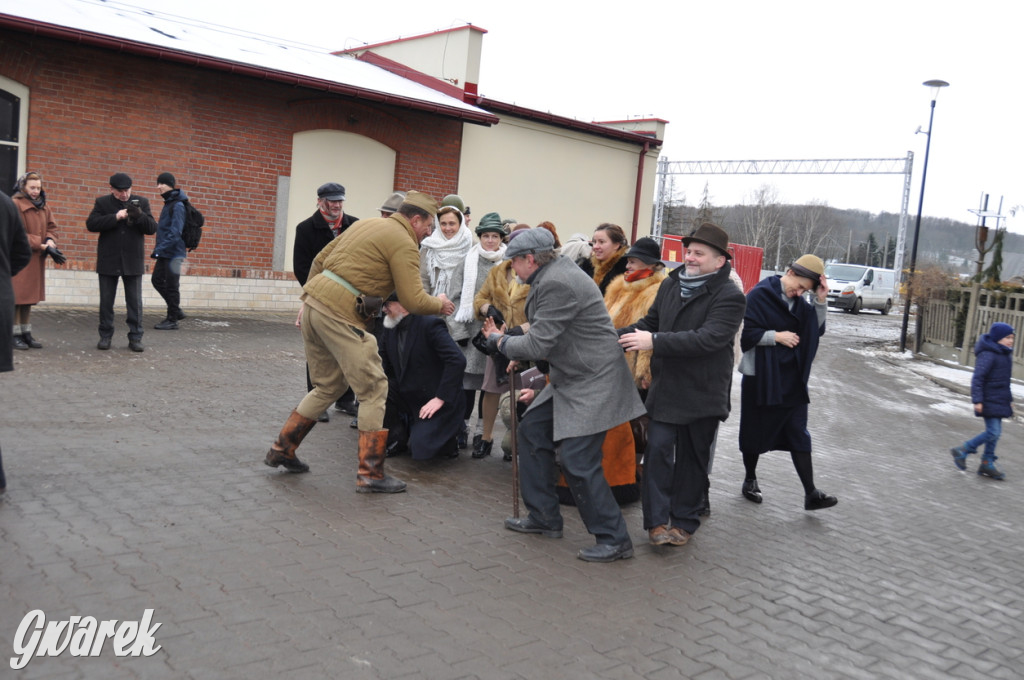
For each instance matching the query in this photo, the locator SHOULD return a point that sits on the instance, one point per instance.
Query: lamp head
(935, 85)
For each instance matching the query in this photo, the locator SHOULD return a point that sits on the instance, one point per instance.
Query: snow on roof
(177, 34)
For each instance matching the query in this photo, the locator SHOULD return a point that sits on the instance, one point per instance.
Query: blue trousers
(993, 429)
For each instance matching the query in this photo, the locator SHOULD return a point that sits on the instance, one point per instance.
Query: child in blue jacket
(990, 393)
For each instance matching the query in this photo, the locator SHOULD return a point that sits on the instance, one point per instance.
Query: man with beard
(342, 298)
(311, 235)
(424, 367)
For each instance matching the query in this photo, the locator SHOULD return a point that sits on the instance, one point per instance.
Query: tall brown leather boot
(282, 451)
(372, 451)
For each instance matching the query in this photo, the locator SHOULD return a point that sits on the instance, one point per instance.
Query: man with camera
(122, 221)
(342, 298)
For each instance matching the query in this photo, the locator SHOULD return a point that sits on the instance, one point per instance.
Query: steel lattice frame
(813, 166)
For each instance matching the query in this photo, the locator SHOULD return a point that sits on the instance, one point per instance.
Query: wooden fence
(959, 323)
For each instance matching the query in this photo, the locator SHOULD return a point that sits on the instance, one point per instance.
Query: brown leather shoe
(677, 536)
(659, 535)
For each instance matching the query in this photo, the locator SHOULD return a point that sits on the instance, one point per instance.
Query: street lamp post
(935, 86)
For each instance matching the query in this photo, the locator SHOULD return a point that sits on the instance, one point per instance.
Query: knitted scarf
(443, 255)
(688, 285)
(466, 312)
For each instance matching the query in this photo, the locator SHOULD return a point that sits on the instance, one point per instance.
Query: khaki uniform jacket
(376, 256)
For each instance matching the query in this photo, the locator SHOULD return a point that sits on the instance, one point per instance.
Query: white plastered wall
(534, 172)
(366, 168)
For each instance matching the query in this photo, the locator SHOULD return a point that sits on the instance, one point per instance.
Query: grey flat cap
(530, 241)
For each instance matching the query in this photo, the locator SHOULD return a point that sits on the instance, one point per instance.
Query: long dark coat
(691, 367)
(311, 235)
(121, 247)
(15, 253)
(429, 365)
(30, 284)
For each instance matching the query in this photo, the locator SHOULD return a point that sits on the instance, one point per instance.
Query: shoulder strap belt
(337, 279)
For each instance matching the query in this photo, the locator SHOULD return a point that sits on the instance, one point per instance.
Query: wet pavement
(136, 482)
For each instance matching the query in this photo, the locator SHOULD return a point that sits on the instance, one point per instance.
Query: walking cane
(514, 425)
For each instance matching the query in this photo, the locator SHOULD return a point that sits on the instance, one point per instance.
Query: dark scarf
(38, 202)
(689, 285)
(781, 373)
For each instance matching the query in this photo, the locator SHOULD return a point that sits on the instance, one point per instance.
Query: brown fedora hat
(712, 235)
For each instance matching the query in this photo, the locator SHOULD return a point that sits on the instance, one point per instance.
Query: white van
(853, 287)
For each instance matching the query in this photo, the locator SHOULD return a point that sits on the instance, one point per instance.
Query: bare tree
(761, 219)
(811, 229)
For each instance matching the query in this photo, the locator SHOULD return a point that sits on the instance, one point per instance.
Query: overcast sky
(736, 80)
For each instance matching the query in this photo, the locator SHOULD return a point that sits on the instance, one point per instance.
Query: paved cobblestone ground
(136, 481)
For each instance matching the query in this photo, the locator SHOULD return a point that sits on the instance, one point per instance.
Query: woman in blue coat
(990, 393)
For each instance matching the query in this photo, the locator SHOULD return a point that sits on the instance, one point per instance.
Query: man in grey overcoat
(589, 391)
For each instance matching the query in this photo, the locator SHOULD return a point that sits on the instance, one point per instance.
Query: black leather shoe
(484, 449)
(526, 525)
(603, 552)
(135, 346)
(179, 315)
(819, 500)
(354, 424)
(705, 507)
(30, 341)
(476, 440)
(324, 417)
(19, 342)
(167, 324)
(463, 438)
(293, 464)
(348, 407)
(751, 491)
(104, 343)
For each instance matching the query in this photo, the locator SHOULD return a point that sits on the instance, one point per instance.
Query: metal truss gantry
(813, 166)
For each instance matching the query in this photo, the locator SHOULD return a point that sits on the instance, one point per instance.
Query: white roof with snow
(124, 22)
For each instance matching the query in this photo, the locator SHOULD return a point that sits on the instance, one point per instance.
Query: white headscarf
(443, 255)
(465, 312)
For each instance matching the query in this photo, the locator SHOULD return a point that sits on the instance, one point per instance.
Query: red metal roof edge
(77, 36)
(569, 123)
(412, 37)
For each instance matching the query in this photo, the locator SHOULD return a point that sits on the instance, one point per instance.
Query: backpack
(192, 232)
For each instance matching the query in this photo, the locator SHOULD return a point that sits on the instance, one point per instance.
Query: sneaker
(988, 469)
(960, 457)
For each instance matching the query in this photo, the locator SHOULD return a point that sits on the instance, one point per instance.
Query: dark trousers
(676, 472)
(132, 300)
(166, 279)
(581, 465)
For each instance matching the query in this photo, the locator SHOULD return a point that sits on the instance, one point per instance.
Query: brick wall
(94, 112)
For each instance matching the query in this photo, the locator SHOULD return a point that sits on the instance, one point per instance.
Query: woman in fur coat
(607, 255)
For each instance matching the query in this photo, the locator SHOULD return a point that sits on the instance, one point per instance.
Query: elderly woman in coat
(470, 278)
(41, 229)
(502, 294)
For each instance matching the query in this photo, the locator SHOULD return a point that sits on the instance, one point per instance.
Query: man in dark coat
(15, 253)
(311, 235)
(780, 340)
(424, 367)
(691, 328)
(590, 390)
(170, 250)
(123, 222)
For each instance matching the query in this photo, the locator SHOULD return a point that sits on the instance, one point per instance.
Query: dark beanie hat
(120, 180)
(166, 178)
(999, 331)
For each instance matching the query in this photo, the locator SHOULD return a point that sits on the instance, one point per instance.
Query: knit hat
(491, 222)
(530, 241)
(332, 191)
(121, 181)
(999, 331)
(712, 235)
(422, 201)
(646, 250)
(166, 178)
(809, 267)
(394, 201)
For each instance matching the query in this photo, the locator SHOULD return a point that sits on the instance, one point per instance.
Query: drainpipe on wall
(639, 189)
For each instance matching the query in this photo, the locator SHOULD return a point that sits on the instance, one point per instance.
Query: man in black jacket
(15, 253)
(311, 235)
(122, 223)
(691, 326)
